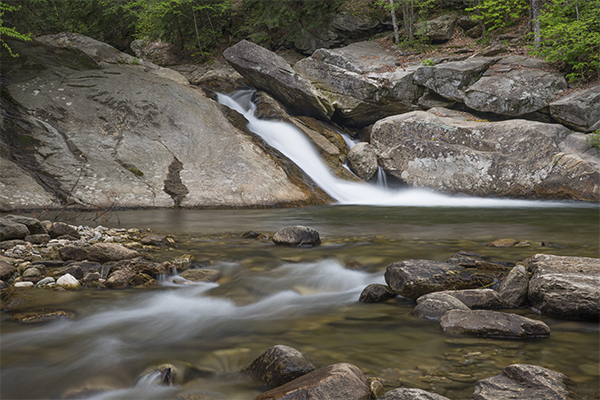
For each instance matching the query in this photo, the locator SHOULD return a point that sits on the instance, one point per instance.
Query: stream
(306, 298)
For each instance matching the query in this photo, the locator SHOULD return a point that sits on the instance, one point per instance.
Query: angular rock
(515, 92)
(34, 225)
(334, 382)
(486, 299)
(6, 271)
(450, 152)
(565, 287)
(46, 282)
(415, 278)
(38, 239)
(154, 240)
(513, 288)
(61, 229)
(201, 275)
(120, 279)
(279, 365)
(524, 382)
(433, 305)
(451, 79)
(411, 394)
(437, 30)
(297, 235)
(72, 269)
(68, 281)
(362, 160)
(492, 324)
(375, 293)
(103, 252)
(75, 253)
(10, 230)
(31, 272)
(267, 71)
(579, 110)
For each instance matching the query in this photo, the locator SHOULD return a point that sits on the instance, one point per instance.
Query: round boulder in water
(298, 235)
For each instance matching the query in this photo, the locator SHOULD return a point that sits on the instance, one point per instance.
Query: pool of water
(302, 297)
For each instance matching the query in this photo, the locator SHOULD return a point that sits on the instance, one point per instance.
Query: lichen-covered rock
(524, 382)
(297, 235)
(565, 287)
(579, 110)
(493, 324)
(362, 160)
(415, 278)
(279, 365)
(437, 30)
(449, 152)
(334, 382)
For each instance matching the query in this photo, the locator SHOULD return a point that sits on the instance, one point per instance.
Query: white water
(298, 148)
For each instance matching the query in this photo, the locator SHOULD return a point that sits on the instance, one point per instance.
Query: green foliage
(497, 14)
(570, 34)
(593, 139)
(428, 63)
(10, 32)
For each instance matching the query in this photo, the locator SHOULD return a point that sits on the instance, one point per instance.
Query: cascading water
(297, 147)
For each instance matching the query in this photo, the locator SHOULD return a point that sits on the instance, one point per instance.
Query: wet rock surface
(524, 382)
(411, 394)
(433, 306)
(375, 293)
(279, 365)
(298, 235)
(492, 324)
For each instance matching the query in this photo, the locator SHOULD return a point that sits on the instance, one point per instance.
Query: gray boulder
(6, 271)
(579, 110)
(477, 298)
(450, 152)
(493, 324)
(10, 230)
(434, 305)
(513, 288)
(524, 382)
(451, 79)
(58, 229)
(411, 394)
(415, 278)
(201, 275)
(337, 381)
(279, 365)
(34, 225)
(565, 287)
(103, 252)
(267, 71)
(362, 160)
(511, 90)
(437, 30)
(297, 235)
(84, 124)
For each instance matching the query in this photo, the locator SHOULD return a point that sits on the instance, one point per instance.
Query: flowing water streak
(296, 146)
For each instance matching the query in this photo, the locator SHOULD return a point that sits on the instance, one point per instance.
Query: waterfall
(297, 147)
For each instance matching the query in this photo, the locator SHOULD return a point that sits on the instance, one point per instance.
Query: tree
(10, 32)
(394, 22)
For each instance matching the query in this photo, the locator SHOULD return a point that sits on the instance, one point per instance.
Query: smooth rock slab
(334, 382)
(279, 365)
(492, 324)
(565, 287)
(414, 278)
(298, 235)
(524, 382)
(411, 394)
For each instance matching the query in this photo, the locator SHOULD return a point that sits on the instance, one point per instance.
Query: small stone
(31, 272)
(48, 281)
(68, 281)
(23, 284)
(375, 293)
(301, 236)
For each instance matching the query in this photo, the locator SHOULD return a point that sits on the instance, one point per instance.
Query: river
(306, 298)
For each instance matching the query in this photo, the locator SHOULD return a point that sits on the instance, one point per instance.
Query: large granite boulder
(453, 153)
(437, 30)
(279, 365)
(267, 71)
(508, 88)
(77, 127)
(362, 81)
(451, 79)
(565, 287)
(415, 278)
(579, 110)
(493, 324)
(337, 381)
(524, 382)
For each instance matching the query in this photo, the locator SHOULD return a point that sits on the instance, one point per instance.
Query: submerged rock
(279, 365)
(201, 275)
(298, 235)
(492, 324)
(337, 381)
(411, 394)
(524, 382)
(565, 287)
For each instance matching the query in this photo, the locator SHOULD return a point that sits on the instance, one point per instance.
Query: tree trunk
(535, 22)
(394, 22)
(408, 20)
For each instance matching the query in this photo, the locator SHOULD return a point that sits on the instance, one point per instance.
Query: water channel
(306, 298)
